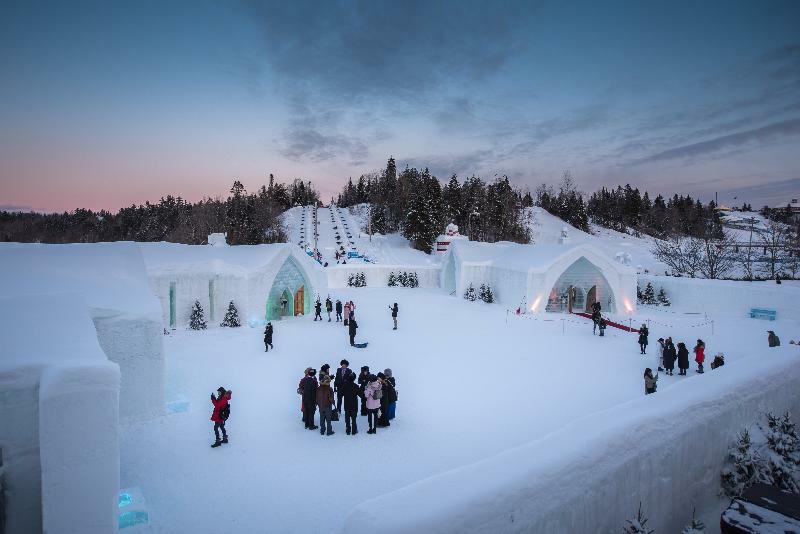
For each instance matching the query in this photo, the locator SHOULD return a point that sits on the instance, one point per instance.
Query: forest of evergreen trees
(248, 219)
(415, 203)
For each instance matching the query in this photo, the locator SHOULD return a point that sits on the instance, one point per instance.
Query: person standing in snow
(643, 333)
(363, 378)
(220, 414)
(350, 403)
(394, 315)
(346, 313)
(650, 381)
(351, 329)
(393, 401)
(669, 356)
(387, 398)
(595, 317)
(328, 307)
(772, 339)
(373, 395)
(601, 324)
(268, 337)
(338, 310)
(318, 310)
(700, 355)
(660, 354)
(342, 373)
(325, 405)
(719, 360)
(308, 387)
(683, 358)
(324, 371)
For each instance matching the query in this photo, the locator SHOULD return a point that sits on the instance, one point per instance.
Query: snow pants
(395, 322)
(217, 427)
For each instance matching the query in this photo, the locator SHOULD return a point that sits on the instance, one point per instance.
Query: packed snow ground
(472, 381)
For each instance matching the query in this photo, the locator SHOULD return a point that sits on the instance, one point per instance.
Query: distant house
(794, 206)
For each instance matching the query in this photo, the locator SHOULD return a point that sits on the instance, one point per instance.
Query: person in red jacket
(699, 354)
(220, 414)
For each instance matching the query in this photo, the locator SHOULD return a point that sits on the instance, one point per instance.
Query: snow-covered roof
(110, 277)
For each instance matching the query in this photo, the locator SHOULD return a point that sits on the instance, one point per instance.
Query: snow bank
(112, 280)
(665, 450)
(378, 275)
(726, 297)
(59, 400)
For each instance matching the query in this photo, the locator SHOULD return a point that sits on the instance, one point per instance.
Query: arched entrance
(589, 285)
(291, 287)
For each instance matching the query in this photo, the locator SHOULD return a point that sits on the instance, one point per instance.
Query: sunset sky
(104, 104)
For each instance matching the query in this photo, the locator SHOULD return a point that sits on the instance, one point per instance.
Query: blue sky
(108, 103)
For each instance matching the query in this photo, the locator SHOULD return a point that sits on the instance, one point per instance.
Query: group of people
(669, 354)
(598, 321)
(374, 394)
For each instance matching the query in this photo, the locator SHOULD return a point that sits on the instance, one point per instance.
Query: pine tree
(469, 294)
(231, 317)
(392, 279)
(639, 295)
(413, 280)
(663, 299)
(637, 525)
(486, 294)
(783, 455)
(743, 469)
(649, 296)
(197, 320)
(695, 527)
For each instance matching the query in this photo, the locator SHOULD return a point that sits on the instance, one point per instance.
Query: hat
(312, 372)
(325, 366)
(387, 372)
(372, 378)
(308, 370)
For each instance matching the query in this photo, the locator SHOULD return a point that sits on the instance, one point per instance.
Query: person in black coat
(318, 310)
(308, 388)
(394, 315)
(338, 310)
(387, 399)
(268, 338)
(669, 355)
(352, 325)
(350, 390)
(683, 359)
(328, 307)
(643, 334)
(343, 373)
(363, 379)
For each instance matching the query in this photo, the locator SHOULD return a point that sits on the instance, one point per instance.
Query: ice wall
(377, 275)
(665, 450)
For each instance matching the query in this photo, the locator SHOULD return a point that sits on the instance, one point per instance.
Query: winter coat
(372, 404)
(394, 311)
(328, 305)
(342, 376)
(669, 356)
(700, 353)
(650, 383)
(389, 392)
(596, 307)
(309, 388)
(683, 358)
(219, 404)
(774, 341)
(268, 333)
(347, 311)
(643, 333)
(338, 306)
(324, 397)
(351, 391)
(352, 326)
(318, 307)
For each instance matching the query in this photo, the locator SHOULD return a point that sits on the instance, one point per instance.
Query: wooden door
(299, 301)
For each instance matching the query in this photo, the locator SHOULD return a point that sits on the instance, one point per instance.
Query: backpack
(225, 412)
(377, 394)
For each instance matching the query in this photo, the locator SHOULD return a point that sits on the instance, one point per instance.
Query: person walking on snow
(325, 404)
(268, 337)
(338, 310)
(394, 315)
(700, 355)
(350, 403)
(308, 387)
(220, 414)
(351, 329)
(318, 310)
(373, 395)
(669, 356)
(683, 359)
(346, 313)
(650, 381)
(595, 317)
(602, 326)
(643, 333)
(328, 307)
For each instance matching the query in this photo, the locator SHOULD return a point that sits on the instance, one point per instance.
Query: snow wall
(666, 450)
(59, 396)
(726, 297)
(377, 275)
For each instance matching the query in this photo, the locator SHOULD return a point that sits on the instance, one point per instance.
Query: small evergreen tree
(743, 470)
(783, 454)
(662, 298)
(469, 294)
(413, 280)
(649, 296)
(392, 279)
(637, 525)
(695, 527)
(639, 294)
(486, 294)
(197, 320)
(362, 280)
(231, 317)
(403, 279)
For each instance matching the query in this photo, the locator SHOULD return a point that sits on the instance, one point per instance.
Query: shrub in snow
(469, 294)
(783, 452)
(392, 279)
(639, 295)
(486, 294)
(662, 298)
(649, 295)
(357, 280)
(637, 525)
(695, 527)
(197, 320)
(743, 468)
(231, 317)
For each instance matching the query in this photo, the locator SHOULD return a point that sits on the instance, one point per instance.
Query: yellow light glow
(536, 303)
(628, 305)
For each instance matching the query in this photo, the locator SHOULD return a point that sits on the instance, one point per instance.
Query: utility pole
(369, 223)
